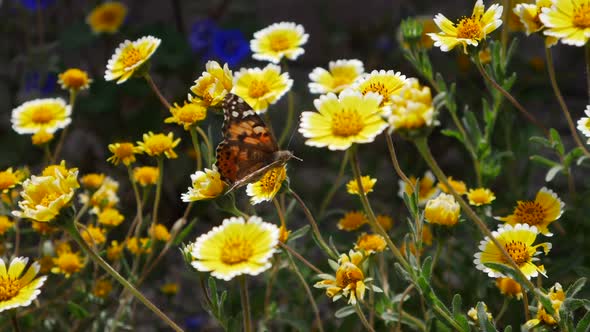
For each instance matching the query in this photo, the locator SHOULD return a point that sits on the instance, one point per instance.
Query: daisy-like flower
(18, 285)
(458, 185)
(279, 40)
(187, 115)
(234, 248)
(123, 152)
(584, 124)
(105, 197)
(556, 296)
(74, 80)
(107, 17)
(468, 30)
(385, 221)
(160, 232)
(352, 220)
(139, 246)
(129, 58)
(110, 217)
(115, 251)
(411, 107)
(442, 210)
(43, 228)
(9, 179)
(509, 287)
(480, 196)
(343, 120)
(370, 243)
(92, 180)
(94, 235)
(49, 114)
(268, 186)
(207, 184)
(545, 209)
(67, 263)
(518, 242)
(367, 182)
(340, 75)
(146, 175)
(384, 83)
(568, 21)
(41, 137)
(528, 14)
(213, 85)
(156, 145)
(102, 288)
(349, 279)
(427, 189)
(261, 87)
(5, 224)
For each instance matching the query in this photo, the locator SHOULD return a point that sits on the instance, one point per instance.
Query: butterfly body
(248, 149)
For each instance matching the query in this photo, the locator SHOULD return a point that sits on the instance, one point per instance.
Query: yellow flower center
(346, 123)
(189, 114)
(518, 251)
(9, 288)
(269, 180)
(469, 28)
(158, 144)
(49, 198)
(124, 150)
(377, 87)
(279, 42)
(68, 262)
(74, 78)
(42, 115)
(108, 17)
(258, 89)
(531, 213)
(7, 180)
(348, 275)
(131, 57)
(581, 17)
(479, 196)
(236, 251)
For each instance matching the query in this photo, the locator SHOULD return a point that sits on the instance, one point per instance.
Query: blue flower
(230, 46)
(41, 85)
(33, 5)
(195, 323)
(201, 35)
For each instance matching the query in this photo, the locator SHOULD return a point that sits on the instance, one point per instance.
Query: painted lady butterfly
(248, 149)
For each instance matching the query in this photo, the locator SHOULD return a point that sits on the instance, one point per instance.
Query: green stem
(71, 229)
(14, 322)
(587, 55)
(335, 185)
(138, 220)
(395, 162)
(525, 304)
(195, 140)
(205, 139)
(245, 304)
(299, 257)
(158, 190)
(371, 215)
(154, 88)
(290, 116)
(64, 132)
(502, 309)
(359, 312)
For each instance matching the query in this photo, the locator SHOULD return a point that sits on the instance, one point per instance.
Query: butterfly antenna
(293, 133)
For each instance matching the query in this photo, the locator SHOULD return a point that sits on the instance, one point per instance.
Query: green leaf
(574, 288)
(556, 141)
(541, 140)
(508, 328)
(453, 133)
(78, 311)
(185, 232)
(427, 268)
(344, 312)
(483, 319)
(298, 233)
(544, 161)
(472, 126)
(574, 154)
(457, 304)
(508, 271)
(584, 323)
(545, 301)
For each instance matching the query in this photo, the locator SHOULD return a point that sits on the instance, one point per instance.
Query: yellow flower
(67, 263)
(207, 184)
(102, 288)
(43, 228)
(385, 221)
(584, 123)
(384, 83)
(107, 17)
(18, 285)
(9, 179)
(468, 30)
(138, 246)
(160, 232)
(262, 87)
(509, 287)
(123, 152)
(74, 79)
(45, 196)
(110, 217)
(349, 280)
(518, 242)
(49, 114)
(105, 197)
(268, 186)
(279, 40)
(459, 186)
(343, 120)
(284, 234)
(370, 243)
(236, 247)
(94, 235)
(367, 183)
(115, 251)
(157, 144)
(170, 288)
(568, 21)
(146, 175)
(41, 137)
(426, 235)
(529, 16)
(426, 191)
(411, 107)
(187, 115)
(61, 169)
(45, 263)
(5, 224)
(213, 85)
(352, 221)
(545, 209)
(556, 296)
(480, 196)
(92, 180)
(443, 210)
(129, 58)
(341, 75)
(472, 313)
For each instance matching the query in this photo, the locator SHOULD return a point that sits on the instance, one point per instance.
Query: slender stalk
(400, 305)
(245, 304)
(506, 28)
(587, 56)
(207, 143)
(280, 213)
(371, 215)
(47, 153)
(359, 312)
(314, 305)
(290, 116)
(70, 228)
(14, 322)
(138, 220)
(525, 304)
(510, 98)
(16, 237)
(335, 185)
(269, 284)
(197, 148)
(154, 87)
(158, 190)
(314, 226)
(502, 309)
(299, 257)
(562, 104)
(395, 162)
(64, 132)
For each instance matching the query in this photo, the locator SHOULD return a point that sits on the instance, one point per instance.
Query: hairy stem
(245, 300)
(197, 148)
